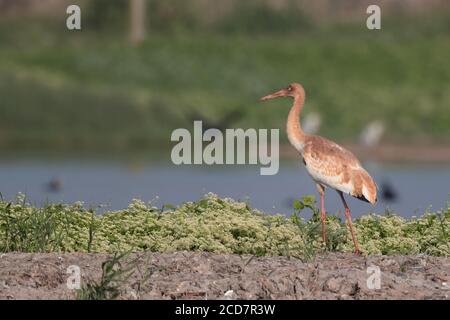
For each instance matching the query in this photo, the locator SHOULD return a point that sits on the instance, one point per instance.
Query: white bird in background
(312, 122)
(372, 133)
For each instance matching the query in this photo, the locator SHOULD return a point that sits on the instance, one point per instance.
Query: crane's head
(294, 90)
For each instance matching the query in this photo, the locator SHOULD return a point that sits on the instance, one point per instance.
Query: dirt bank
(209, 276)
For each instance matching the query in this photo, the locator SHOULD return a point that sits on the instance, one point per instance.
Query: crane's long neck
(294, 129)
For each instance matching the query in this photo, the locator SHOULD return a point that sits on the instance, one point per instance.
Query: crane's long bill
(280, 93)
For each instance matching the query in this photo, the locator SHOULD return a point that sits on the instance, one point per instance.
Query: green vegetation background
(91, 90)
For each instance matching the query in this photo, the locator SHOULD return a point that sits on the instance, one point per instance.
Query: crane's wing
(334, 166)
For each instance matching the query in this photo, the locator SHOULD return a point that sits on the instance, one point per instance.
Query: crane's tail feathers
(364, 187)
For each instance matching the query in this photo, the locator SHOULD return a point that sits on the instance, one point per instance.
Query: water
(115, 183)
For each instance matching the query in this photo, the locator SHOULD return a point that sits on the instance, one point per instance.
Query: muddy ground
(189, 275)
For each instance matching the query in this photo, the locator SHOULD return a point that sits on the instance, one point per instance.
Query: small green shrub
(114, 275)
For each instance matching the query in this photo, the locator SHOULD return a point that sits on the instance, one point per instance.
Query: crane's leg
(349, 219)
(321, 190)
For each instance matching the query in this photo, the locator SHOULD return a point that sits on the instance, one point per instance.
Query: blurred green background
(96, 91)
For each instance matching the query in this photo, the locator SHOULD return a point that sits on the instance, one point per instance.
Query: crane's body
(328, 164)
(332, 166)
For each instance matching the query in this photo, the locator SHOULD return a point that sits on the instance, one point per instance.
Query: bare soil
(199, 275)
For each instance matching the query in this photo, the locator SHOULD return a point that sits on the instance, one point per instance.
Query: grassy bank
(215, 225)
(89, 90)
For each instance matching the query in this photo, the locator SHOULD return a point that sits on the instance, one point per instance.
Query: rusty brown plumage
(329, 164)
(334, 166)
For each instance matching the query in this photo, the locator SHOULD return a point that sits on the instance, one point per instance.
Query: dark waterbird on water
(388, 192)
(54, 185)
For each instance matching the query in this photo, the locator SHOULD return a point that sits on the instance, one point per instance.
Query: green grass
(214, 225)
(88, 90)
(114, 274)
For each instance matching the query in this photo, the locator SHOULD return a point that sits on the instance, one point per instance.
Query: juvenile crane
(329, 164)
